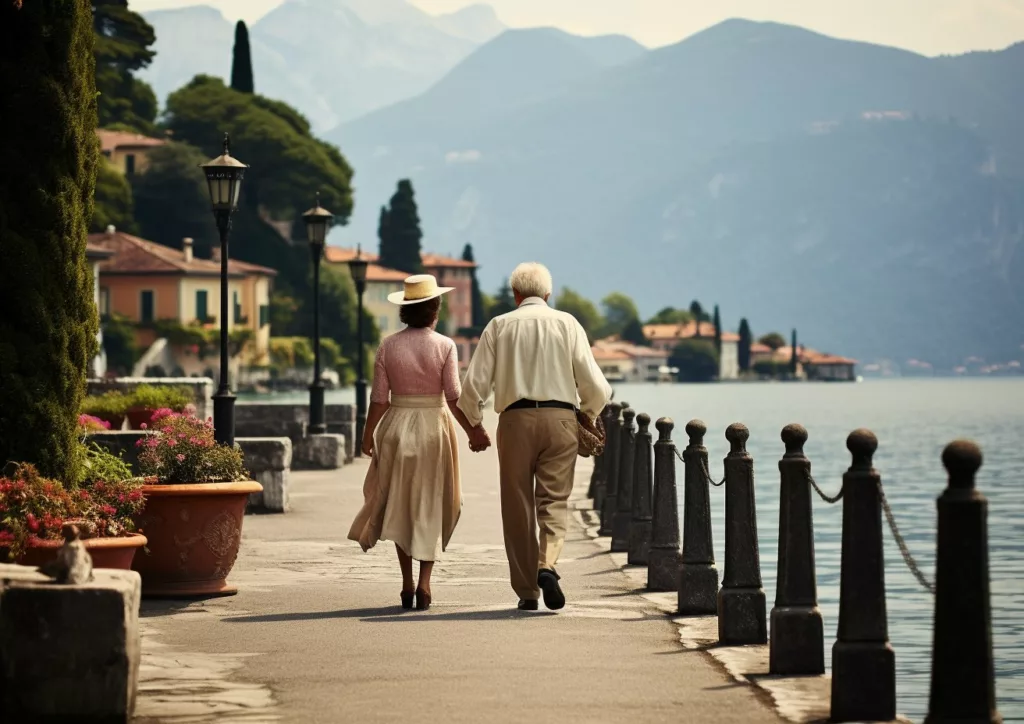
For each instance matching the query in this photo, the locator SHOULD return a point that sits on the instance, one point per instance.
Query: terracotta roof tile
(110, 140)
(685, 331)
(133, 255)
(343, 255)
(603, 353)
(377, 273)
(434, 261)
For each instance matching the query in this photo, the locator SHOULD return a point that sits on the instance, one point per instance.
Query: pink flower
(152, 442)
(171, 442)
(180, 457)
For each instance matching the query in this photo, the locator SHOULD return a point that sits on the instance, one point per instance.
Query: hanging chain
(703, 469)
(830, 500)
(904, 550)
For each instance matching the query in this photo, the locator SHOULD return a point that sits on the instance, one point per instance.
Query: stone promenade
(316, 633)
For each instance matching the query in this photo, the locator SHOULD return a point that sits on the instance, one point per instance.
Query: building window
(146, 305)
(237, 307)
(104, 302)
(202, 305)
(264, 315)
(129, 163)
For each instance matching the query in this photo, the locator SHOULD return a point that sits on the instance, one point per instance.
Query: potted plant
(91, 423)
(34, 509)
(196, 492)
(147, 399)
(110, 407)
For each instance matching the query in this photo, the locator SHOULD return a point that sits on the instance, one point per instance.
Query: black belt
(534, 405)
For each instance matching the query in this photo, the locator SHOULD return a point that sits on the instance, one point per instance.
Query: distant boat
(859, 378)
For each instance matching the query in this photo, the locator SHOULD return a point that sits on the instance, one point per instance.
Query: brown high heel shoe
(407, 599)
(422, 600)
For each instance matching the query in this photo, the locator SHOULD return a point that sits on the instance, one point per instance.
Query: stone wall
(269, 462)
(258, 419)
(202, 388)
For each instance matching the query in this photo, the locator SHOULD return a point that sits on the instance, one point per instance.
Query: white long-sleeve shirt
(534, 353)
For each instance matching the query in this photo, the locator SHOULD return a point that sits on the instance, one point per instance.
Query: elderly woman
(411, 493)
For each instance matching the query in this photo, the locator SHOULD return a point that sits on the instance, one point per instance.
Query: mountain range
(868, 196)
(334, 60)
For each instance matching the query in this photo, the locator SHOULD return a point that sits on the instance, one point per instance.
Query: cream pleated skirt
(411, 494)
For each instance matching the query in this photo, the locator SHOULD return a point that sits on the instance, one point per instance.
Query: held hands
(479, 440)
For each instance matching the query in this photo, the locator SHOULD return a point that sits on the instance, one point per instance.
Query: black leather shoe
(527, 604)
(548, 582)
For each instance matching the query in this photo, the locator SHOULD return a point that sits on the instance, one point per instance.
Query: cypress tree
(792, 357)
(400, 233)
(633, 333)
(47, 175)
(697, 312)
(718, 331)
(241, 60)
(479, 313)
(743, 351)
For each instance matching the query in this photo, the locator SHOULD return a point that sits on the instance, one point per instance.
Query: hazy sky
(926, 26)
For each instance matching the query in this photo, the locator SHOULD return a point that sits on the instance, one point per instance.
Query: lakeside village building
(625, 362)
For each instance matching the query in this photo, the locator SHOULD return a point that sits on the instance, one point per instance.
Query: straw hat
(418, 288)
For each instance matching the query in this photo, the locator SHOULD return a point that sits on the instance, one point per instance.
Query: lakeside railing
(634, 490)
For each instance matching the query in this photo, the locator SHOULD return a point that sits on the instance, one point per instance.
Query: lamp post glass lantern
(224, 180)
(317, 219)
(358, 269)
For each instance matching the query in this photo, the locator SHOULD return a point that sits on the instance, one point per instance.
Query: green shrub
(154, 397)
(99, 464)
(109, 404)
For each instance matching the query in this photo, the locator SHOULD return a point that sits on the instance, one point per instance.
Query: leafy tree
(47, 177)
(634, 332)
(171, 199)
(288, 165)
(479, 310)
(773, 340)
(743, 351)
(696, 359)
(671, 315)
(241, 60)
(112, 203)
(793, 355)
(698, 313)
(400, 233)
(504, 302)
(717, 321)
(619, 310)
(122, 44)
(580, 307)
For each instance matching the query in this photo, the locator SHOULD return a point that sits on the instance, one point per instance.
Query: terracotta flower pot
(137, 416)
(116, 421)
(106, 552)
(194, 531)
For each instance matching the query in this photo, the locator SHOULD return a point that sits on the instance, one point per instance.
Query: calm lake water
(914, 420)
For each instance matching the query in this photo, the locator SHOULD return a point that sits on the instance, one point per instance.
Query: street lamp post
(317, 220)
(358, 269)
(224, 179)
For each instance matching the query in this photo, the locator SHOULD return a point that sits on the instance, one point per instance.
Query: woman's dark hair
(421, 314)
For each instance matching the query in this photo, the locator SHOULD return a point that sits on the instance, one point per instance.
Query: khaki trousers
(537, 451)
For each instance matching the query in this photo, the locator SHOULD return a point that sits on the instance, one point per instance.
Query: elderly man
(539, 364)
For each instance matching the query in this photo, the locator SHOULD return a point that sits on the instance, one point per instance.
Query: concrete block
(320, 452)
(269, 461)
(68, 652)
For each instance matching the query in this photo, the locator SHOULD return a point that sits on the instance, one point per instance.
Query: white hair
(531, 279)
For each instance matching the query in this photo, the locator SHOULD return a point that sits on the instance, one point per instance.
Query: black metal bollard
(663, 559)
(611, 488)
(741, 601)
(640, 526)
(963, 681)
(624, 495)
(863, 662)
(698, 577)
(601, 465)
(797, 643)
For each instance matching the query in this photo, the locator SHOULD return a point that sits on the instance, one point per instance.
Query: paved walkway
(316, 633)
